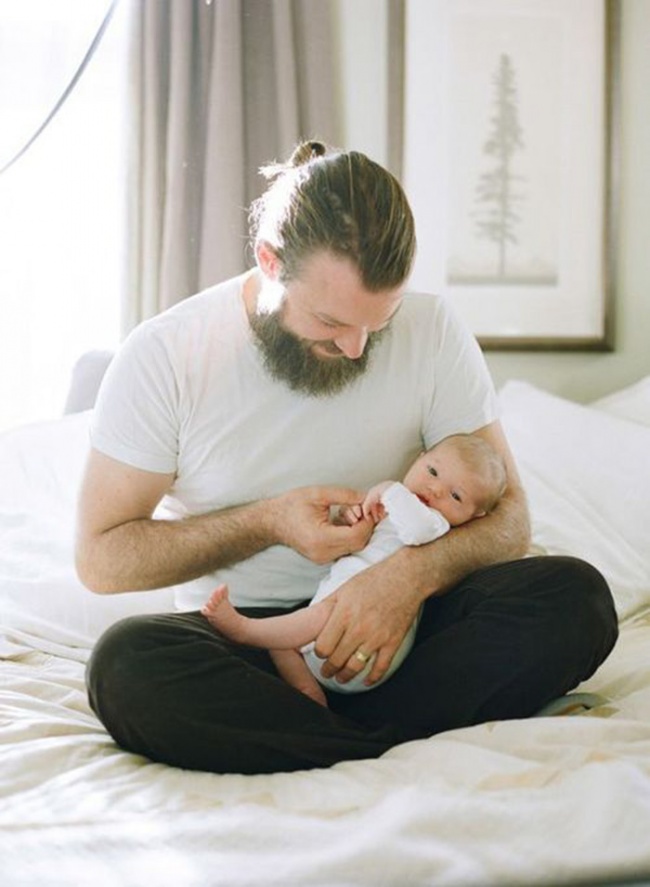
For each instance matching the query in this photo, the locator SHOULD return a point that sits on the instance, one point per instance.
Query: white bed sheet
(542, 801)
(520, 802)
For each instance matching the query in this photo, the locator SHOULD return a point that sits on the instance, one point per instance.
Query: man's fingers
(380, 665)
(327, 642)
(354, 513)
(345, 538)
(350, 669)
(339, 656)
(350, 657)
(345, 658)
(357, 663)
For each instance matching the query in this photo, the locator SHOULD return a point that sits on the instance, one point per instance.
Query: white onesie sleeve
(414, 522)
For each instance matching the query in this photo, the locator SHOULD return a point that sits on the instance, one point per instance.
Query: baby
(459, 479)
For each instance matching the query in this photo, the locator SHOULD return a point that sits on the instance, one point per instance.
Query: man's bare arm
(120, 547)
(375, 609)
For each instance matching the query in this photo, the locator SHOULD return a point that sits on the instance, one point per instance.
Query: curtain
(395, 55)
(219, 87)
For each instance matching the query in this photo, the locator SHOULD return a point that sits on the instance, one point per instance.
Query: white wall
(578, 375)
(363, 39)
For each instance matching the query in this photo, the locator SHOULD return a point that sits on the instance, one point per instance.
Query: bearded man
(254, 409)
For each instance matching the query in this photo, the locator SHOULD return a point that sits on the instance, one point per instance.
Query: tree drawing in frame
(501, 213)
(496, 217)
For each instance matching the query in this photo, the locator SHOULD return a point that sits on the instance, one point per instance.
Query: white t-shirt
(188, 394)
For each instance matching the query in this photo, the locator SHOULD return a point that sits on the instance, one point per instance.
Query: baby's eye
(432, 471)
(456, 497)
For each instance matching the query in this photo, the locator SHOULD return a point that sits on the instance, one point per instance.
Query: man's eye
(432, 471)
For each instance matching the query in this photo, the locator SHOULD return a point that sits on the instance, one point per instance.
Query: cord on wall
(69, 88)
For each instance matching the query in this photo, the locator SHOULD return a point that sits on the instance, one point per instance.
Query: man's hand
(372, 613)
(349, 515)
(372, 508)
(302, 521)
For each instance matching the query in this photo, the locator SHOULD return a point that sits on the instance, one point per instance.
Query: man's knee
(589, 602)
(116, 674)
(140, 669)
(562, 600)
(571, 603)
(569, 581)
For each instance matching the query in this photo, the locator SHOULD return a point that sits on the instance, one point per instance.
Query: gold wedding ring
(361, 656)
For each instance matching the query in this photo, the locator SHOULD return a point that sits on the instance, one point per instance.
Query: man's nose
(352, 342)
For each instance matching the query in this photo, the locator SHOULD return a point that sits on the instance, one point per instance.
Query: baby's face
(442, 481)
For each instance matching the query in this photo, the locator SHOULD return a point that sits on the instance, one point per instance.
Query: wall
(363, 39)
(581, 376)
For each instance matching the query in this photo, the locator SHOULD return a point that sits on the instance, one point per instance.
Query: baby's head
(463, 477)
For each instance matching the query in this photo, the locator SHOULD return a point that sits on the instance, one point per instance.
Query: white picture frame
(509, 162)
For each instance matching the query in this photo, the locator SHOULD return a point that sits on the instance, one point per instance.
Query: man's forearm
(501, 536)
(142, 553)
(146, 553)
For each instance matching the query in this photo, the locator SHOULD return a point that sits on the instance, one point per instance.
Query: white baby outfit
(408, 521)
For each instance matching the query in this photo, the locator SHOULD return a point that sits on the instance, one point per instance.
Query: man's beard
(290, 359)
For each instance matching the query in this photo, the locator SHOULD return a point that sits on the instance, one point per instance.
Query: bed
(550, 800)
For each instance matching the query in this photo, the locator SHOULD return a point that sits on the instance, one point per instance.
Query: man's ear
(267, 260)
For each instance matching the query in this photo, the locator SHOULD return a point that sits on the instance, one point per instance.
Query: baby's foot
(221, 614)
(216, 599)
(315, 692)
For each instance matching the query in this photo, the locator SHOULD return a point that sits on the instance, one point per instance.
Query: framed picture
(509, 161)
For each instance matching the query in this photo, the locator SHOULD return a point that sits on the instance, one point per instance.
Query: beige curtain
(219, 88)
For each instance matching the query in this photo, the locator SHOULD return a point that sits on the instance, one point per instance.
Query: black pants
(502, 644)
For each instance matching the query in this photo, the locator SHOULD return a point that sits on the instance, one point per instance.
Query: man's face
(316, 332)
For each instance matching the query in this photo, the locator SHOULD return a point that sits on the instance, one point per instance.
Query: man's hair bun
(307, 151)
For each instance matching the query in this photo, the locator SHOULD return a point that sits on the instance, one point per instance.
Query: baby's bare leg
(287, 632)
(293, 669)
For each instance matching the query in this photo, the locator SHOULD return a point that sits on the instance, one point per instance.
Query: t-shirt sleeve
(414, 522)
(136, 417)
(463, 397)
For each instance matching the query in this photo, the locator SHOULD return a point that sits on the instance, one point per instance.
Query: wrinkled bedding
(546, 800)
(541, 800)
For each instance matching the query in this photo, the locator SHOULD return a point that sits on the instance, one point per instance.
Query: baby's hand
(372, 505)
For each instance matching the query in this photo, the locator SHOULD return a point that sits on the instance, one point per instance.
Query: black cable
(71, 85)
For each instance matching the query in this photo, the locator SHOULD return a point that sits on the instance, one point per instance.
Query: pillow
(588, 485)
(40, 594)
(629, 403)
(87, 375)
